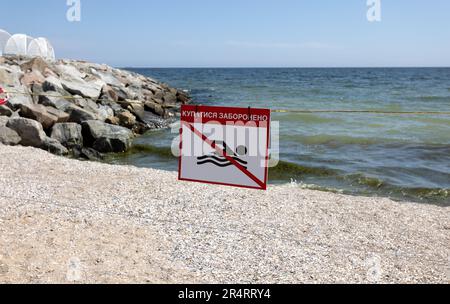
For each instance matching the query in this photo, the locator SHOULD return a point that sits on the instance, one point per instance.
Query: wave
(325, 179)
(220, 159)
(310, 118)
(164, 152)
(288, 170)
(222, 165)
(434, 98)
(355, 184)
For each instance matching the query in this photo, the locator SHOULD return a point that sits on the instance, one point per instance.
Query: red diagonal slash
(224, 154)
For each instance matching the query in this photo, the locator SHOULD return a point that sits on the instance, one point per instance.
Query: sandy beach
(64, 220)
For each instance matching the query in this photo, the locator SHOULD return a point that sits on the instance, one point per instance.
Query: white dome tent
(17, 45)
(4, 37)
(21, 44)
(41, 47)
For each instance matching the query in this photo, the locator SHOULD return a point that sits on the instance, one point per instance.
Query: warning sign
(225, 146)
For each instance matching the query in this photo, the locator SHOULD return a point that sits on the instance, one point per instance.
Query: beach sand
(64, 220)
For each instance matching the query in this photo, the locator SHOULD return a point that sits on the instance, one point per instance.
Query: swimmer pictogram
(222, 162)
(240, 161)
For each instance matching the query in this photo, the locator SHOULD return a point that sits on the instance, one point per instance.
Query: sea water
(404, 157)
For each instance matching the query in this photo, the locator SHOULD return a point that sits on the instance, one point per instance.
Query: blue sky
(240, 33)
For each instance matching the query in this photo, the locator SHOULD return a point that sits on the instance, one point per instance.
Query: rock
(117, 108)
(106, 138)
(53, 84)
(37, 91)
(55, 100)
(33, 77)
(86, 104)
(126, 119)
(3, 121)
(55, 147)
(78, 115)
(68, 134)
(89, 154)
(9, 137)
(112, 120)
(22, 97)
(108, 93)
(30, 131)
(138, 110)
(122, 95)
(104, 112)
(155, 108)
(183, 97)
(141, 128)
(80, 87)
(5, 111)
(47, 116)
(36, 64)
(170, 98)
(69, 72)
(107, 77)
(48, 86)
(10, 75)
(159, 94)
(60, 115)
(54, 93)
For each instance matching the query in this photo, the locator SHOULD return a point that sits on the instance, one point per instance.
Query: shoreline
(63, 220)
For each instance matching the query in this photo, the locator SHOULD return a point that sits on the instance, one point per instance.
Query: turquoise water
(403, 157)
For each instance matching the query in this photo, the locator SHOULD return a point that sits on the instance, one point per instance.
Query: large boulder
(10, 76)
(3, 121)
(106, 138)
(69, 72)
(183, 97)
(155, 108)
(20, 96)
(30, 131)
(126, 119)
(32, 77)
(106, 77)
(78, 115)
(91, 89)
(47, 116)
(104, 112)
(54, 100)
(53, 146)
(121, 94)
(37, 64)
(68, 134)
(9, 137)
(170, 98)
(108, 93)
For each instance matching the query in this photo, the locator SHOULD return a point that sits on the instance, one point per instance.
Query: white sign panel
(225, 146)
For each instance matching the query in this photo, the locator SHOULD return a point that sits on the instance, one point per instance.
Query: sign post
(225, 146)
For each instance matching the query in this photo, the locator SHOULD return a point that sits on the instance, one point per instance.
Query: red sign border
(224, 109)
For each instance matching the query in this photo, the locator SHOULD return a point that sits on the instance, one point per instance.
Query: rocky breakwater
(80, 108)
